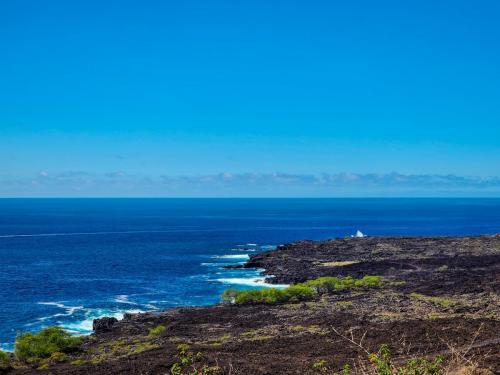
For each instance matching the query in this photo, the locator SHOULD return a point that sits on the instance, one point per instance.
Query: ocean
(68, 261)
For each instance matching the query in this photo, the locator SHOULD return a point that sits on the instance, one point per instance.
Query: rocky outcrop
(103, 324)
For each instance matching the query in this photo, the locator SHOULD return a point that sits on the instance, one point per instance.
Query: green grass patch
(260, 334)
(313, 329)
(216, 340)
(4, 361)
(120, 348)
(78, 362)
(299, 292)
(157, 331)
(49, 343)
(443, 302)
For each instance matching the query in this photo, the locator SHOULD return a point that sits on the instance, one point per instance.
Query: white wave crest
(123, 298)
(211, 264)
(70, 310)
(232, 256)
(250, 281)
(84, 327)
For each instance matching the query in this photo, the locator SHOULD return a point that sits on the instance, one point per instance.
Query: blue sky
(157, 90)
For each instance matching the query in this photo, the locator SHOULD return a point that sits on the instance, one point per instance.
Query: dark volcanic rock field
(440, 296)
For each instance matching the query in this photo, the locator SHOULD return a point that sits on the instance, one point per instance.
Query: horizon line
(253, 197)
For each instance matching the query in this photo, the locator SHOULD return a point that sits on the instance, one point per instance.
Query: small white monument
(359, 234)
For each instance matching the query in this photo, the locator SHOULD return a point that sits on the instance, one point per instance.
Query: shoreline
(436, 290)
(83, 327)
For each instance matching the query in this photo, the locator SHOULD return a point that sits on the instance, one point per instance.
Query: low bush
(32, 348)
(330, 284)
(381, 363)
(186, 363)
(298, 292)
(4, 361)
(158, 330)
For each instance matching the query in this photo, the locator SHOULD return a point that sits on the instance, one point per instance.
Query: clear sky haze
(249, 98)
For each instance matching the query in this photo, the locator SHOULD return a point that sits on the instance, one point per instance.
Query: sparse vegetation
(381, 363)
(443, 302)
(49, 344)
(157, 331)
(443, 268)
(217, 340)
(186, 363)
(320, 365)
(299, 292)
(460, 360)
(339, 263)
(4, 361)
(78, 362)
(121, 348)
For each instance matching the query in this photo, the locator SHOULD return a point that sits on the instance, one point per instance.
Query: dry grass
(339, 263)
(458, 360)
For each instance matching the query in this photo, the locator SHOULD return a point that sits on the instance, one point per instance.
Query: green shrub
(294, 293)
(383, 364)
(320, 365)
(298, 292)
(368, 281)
(330, 284)
(4, 361)
(187, 363)
(32, 348)
(156, 331)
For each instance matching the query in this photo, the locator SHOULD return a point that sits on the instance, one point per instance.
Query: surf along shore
(436, 297)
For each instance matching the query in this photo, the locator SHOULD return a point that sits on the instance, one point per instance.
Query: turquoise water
(68, 261)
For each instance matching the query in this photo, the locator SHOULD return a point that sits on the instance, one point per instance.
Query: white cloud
(120, 183)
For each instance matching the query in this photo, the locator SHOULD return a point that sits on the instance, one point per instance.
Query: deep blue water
(67, 261)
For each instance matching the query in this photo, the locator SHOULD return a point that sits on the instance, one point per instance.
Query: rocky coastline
(440, 297)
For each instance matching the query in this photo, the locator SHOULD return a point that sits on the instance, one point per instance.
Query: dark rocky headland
(440, 296)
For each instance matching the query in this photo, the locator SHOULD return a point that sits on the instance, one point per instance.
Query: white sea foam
(176, 230)
(123, 298)
(70, 310)
(268, 247)
(6, 347)
(250, 281)
(232, 256)
(211, 264)
(84, 327)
